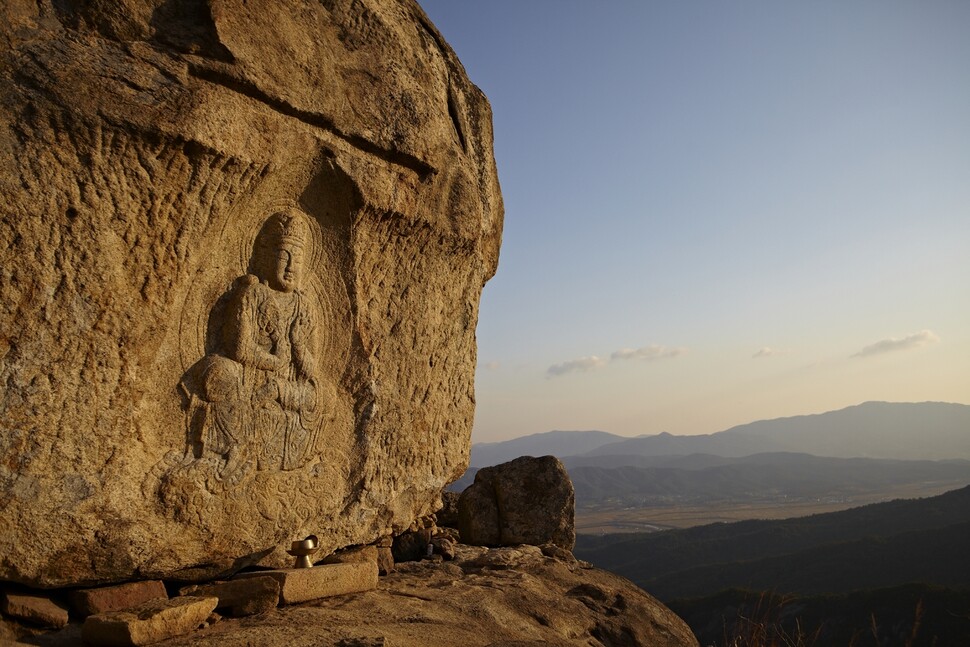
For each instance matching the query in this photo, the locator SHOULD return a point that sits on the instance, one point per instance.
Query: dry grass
(763, 627)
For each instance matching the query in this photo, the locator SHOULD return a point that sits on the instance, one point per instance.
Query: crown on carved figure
(290, 228)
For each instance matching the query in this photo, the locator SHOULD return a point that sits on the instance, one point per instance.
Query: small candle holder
(302, 550)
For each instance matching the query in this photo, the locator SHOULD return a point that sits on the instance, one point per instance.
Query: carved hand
(268, 392)
(302, 328)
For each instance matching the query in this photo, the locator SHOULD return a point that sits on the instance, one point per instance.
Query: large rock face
(243, 248)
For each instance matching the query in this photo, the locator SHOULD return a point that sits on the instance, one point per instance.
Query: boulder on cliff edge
(243, 246)
(525, 501)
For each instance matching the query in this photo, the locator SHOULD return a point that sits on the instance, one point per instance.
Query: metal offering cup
(302, 549)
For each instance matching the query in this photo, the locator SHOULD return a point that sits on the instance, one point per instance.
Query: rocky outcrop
(504, 596)
(525, 501)
(242, 247)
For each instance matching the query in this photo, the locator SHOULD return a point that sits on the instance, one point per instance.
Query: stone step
(322, 581)
(35, 609)
(240, 597)
(86, 602)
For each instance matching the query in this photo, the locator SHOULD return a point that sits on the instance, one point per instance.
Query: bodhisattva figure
(256, 398)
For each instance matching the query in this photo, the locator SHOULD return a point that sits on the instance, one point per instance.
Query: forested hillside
(915, 540)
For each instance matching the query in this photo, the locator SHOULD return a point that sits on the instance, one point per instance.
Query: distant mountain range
(901, 431)
(551, 443)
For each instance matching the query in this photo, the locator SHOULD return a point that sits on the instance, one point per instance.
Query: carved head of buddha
(284, 241)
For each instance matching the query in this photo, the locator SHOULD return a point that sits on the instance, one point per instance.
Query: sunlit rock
(243, 248)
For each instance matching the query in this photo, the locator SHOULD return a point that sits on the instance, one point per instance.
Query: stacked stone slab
(242, 251)
(328, 580)
(88, 602)
(148, 622)
(34, 609)
(242, 597)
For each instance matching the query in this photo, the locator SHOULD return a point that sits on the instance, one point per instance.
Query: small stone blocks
(148, 622)
(326, 580)
(241, 597)
(87, 602)
(36, 609)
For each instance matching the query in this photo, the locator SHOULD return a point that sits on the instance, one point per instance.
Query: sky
(720, 212)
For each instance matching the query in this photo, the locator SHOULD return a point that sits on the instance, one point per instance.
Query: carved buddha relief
(257, 393)
(254, 400)
(266, 437)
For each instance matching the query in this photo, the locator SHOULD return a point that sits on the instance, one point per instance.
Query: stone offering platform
(323, 581)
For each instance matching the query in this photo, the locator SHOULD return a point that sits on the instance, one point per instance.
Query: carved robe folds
(258, 402)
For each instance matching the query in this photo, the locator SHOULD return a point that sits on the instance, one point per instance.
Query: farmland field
(601, 520)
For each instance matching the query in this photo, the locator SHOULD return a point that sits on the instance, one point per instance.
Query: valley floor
(597, 520)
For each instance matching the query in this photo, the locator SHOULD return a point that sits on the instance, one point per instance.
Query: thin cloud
(648, 353)
(765, 351)
(921, 338)
(575, 365)
(493, 366)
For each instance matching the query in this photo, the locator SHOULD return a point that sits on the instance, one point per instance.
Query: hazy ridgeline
(902, 431)
(871, 448)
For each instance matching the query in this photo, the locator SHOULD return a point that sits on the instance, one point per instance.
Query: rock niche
(243, 246)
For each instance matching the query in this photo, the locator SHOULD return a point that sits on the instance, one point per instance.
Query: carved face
(289, 269)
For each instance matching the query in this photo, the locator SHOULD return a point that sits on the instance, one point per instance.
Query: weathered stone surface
(411, 545)
(385, 555)
(447, 515)
(86, 602)
(36, 609)
(149, 622)
(242, 246)
(379, 641)
(511, 557)
(354, 555)
(8, 632)
(560, 553)
(508, 596)
(525, 501)
(444, 545)
(323, 581)
(242, 597)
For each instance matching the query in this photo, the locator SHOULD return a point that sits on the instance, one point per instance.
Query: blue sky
(718, 212)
